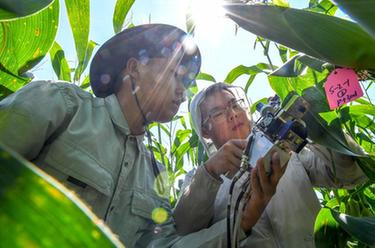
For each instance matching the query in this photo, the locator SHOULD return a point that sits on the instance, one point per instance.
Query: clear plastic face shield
(195, 109)
(182, 49)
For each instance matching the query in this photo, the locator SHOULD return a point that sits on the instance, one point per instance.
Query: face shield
(196, 115)
(143, 42)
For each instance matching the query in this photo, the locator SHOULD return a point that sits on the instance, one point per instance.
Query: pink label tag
(342, 86)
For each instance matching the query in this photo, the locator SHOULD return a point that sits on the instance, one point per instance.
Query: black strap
(155, 167)
(77, 182)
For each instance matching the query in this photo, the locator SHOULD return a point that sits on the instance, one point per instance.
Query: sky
(221, 49)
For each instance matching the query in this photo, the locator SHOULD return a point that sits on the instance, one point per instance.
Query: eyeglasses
(219, 114)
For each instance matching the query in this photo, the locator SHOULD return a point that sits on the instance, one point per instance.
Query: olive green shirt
(85, 143)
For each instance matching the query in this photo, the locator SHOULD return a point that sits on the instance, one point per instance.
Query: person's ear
(132, 68)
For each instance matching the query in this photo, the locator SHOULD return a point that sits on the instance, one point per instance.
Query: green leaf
(79, 19)
(205, 76)
(361, 228)
(11, 9)
(364, 122)
(181, 135)
(309, 78)
(121, 10)
(85, 83)
(327, 231)
(362, 11)
(36, 210)
(24, 42)
(328, 38)
(183, 122)
(59, 63)
(367, 165)
(296, 65)
(246, 70)
(281, 85)
(283, 52)
(4, 92)
(289, 69)
(9, 82)
(249, 82)
(324, 6)
(366, 142)
(321, 132)
(81, 67)
(194, 140)
(6, 15)
(362, 110)
(312, 62)
(181, 150)
(281, 3)
(163, 127)
(254, 105)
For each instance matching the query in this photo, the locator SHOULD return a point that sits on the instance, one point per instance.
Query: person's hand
(263, 187)
(227, 159)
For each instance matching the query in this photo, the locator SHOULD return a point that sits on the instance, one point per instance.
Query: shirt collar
(119, 120)
(116, 114)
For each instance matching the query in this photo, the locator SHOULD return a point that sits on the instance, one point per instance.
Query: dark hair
(141, 42)
(217, 87)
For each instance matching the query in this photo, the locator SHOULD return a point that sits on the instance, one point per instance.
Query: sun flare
(205, 14)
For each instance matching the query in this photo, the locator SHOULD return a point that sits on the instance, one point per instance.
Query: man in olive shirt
(94, 145)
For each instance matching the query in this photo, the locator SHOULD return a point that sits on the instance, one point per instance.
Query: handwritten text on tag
(342, 86)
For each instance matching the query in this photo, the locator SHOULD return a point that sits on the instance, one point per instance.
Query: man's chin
(165, 117)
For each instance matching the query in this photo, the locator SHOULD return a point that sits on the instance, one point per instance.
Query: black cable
(237, 205)
(155, 167)
(234, 180)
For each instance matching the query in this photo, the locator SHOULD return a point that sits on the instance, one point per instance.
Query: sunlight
(207, 15)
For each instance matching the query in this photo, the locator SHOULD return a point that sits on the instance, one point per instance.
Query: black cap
(141, 42)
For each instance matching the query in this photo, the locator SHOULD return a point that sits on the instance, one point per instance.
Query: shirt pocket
(80, 167)
(145, 203)
(145, 224)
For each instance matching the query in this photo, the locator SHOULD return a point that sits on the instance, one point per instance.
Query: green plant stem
(368, 97)
(159, 146)
(268, 57)
(170, 145)
(337, 196)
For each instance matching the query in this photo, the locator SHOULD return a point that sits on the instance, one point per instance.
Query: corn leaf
(121, 10)
(82, 66)
(362, 11)
(327, 232)
(205, 76)
(296, 65)
(10, 9)
(59, 63)
(24, 42)
(361, 228)
(246, 70)
(325, 37)
(37, 211)
(79, 19)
